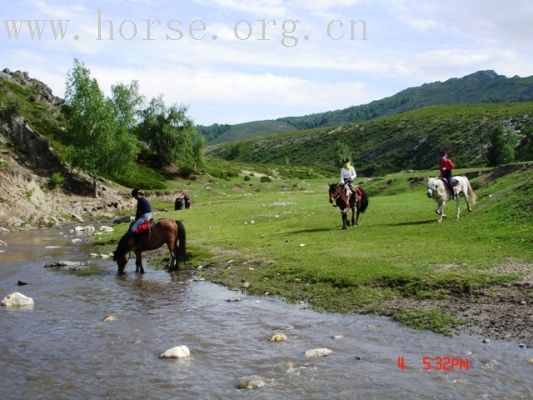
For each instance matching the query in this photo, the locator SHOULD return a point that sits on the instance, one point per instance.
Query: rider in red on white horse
(445, 166)
(348, 175)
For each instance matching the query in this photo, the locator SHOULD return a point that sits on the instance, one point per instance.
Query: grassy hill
(403, 141)
(479, 87)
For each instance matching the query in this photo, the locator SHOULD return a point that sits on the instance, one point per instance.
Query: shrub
(56, 180)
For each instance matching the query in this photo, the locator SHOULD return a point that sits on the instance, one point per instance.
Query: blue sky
(228, 80)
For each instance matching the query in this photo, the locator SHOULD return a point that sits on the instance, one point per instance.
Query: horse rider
(144, 210)
(348, 175)
(445, 166)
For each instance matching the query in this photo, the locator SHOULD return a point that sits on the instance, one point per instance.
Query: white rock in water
(110, 318)
(105, 228)
(250, 382)
(52, 247)
(318, 353)
(104, 256)
(278, 337)
(93, 255)
(2, 243)
(17, 299)
(76, 240)
(89, 229)
(176, 352)
(79, 228)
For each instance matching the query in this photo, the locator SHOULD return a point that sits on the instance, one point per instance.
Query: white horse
(438, 191)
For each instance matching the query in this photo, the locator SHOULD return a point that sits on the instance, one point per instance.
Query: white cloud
(207, 87)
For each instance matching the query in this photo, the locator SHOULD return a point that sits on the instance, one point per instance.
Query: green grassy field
(284, 238)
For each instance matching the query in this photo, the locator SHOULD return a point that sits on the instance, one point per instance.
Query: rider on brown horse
(348, 175)
(143, 214)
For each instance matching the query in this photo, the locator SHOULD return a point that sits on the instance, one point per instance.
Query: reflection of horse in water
(358, 200)
(165, 231)
(438, 191)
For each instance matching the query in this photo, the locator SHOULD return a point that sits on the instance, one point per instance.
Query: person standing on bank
(348, 175)
(144, 209)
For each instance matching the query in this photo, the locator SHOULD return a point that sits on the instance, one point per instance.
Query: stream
(63, 349)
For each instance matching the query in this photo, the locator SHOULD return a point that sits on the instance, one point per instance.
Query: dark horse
(358, 200)
(163, 231)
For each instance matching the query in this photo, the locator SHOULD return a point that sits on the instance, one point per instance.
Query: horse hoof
(343, 227)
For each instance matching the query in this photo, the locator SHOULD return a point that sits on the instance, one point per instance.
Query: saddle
(144, 227)
(453, 183)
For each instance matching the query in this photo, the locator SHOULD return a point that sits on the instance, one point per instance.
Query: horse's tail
(472, 197)
(181, 241)
(364, 201)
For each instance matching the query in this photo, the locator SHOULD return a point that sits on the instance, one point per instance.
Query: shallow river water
(62, 348)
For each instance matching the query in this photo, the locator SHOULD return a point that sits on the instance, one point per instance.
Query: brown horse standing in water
(358, 200)
(163, 231)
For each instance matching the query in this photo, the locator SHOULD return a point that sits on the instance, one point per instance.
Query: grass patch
(433, 320)
(284, 238)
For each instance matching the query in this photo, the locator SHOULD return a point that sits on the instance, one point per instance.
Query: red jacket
(445, 164)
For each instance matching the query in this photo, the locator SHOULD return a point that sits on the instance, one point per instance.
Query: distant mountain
(402, 141)
(479, 87)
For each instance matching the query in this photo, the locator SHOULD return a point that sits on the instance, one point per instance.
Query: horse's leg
(467, 195)
(354, 220)
(139, 262)
(441, 211)
(344, 219)
(173, 259)
(458, 205)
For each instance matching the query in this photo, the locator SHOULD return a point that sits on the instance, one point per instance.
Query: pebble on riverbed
(176, 352)
(313, 353)
(250, 382)
(234, 299)
(17, 299)
(278, 337)
(70, 264)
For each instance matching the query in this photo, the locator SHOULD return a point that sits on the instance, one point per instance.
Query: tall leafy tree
(97, 144)
(501, 149)
(198, 152)
(168, 132)
(341, 152)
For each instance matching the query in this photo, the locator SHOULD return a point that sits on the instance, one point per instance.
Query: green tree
(168, 132)
(341, 151)
(96, 142)
(198, 152)
(501, 149)
(525, 151)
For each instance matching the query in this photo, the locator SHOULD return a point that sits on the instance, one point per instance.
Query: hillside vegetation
(404, 141)
(479, 87)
